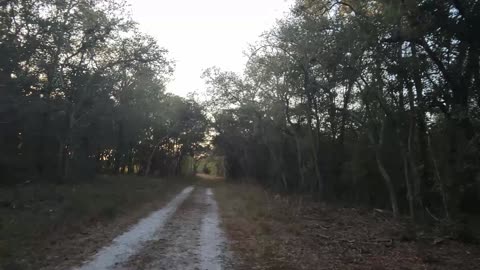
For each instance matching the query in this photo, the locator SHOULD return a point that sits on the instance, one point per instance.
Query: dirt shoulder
(268, 231)
(47, 226)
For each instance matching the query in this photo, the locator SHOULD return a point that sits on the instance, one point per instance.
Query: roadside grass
(51, 226)
(270, 231)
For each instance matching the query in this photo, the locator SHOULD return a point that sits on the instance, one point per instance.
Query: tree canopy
(370, 102)
(82, 91)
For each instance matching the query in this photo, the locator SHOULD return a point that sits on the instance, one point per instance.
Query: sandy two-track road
(184, 234)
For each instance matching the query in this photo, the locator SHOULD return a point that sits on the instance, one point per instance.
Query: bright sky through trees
(201, 34)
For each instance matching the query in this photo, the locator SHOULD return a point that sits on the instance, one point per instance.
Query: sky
(203, 33)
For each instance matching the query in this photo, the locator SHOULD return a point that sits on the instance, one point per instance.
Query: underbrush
(270, 231)
(38, 220)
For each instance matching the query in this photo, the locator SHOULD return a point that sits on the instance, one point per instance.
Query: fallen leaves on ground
(279, 232)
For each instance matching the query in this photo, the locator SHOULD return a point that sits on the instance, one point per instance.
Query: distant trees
(83, 91)
(372, 102)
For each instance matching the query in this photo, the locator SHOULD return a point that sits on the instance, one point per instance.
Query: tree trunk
(412, 164)
(60, 160)
(299, 162)
(152, 154)
(346, 101)
(131, 166)
(386, 177)
(408, 184)
(388, 182)
(307, 88)
(421, 133)
(439, 181)
(119, 151)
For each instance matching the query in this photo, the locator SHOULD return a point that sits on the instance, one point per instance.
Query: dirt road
(185, 234)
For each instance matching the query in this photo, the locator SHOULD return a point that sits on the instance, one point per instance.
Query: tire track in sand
(192, 239)
(131, 242)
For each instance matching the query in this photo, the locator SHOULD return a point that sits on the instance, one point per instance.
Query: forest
(350, 140)
(370, 104)
(82, 92)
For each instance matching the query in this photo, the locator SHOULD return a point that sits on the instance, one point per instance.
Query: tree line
(82, 91)
(370, 102)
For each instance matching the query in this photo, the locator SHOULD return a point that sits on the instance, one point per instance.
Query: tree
(359, 98)
(83, 92)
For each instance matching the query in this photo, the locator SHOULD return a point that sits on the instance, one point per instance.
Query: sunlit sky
(204, 33)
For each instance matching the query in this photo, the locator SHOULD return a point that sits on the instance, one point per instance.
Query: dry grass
(269, 231)
(55, 226)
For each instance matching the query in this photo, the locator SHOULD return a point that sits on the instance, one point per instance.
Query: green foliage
(83, 91)
(369, 102)
(213, 165)
(188, 166)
